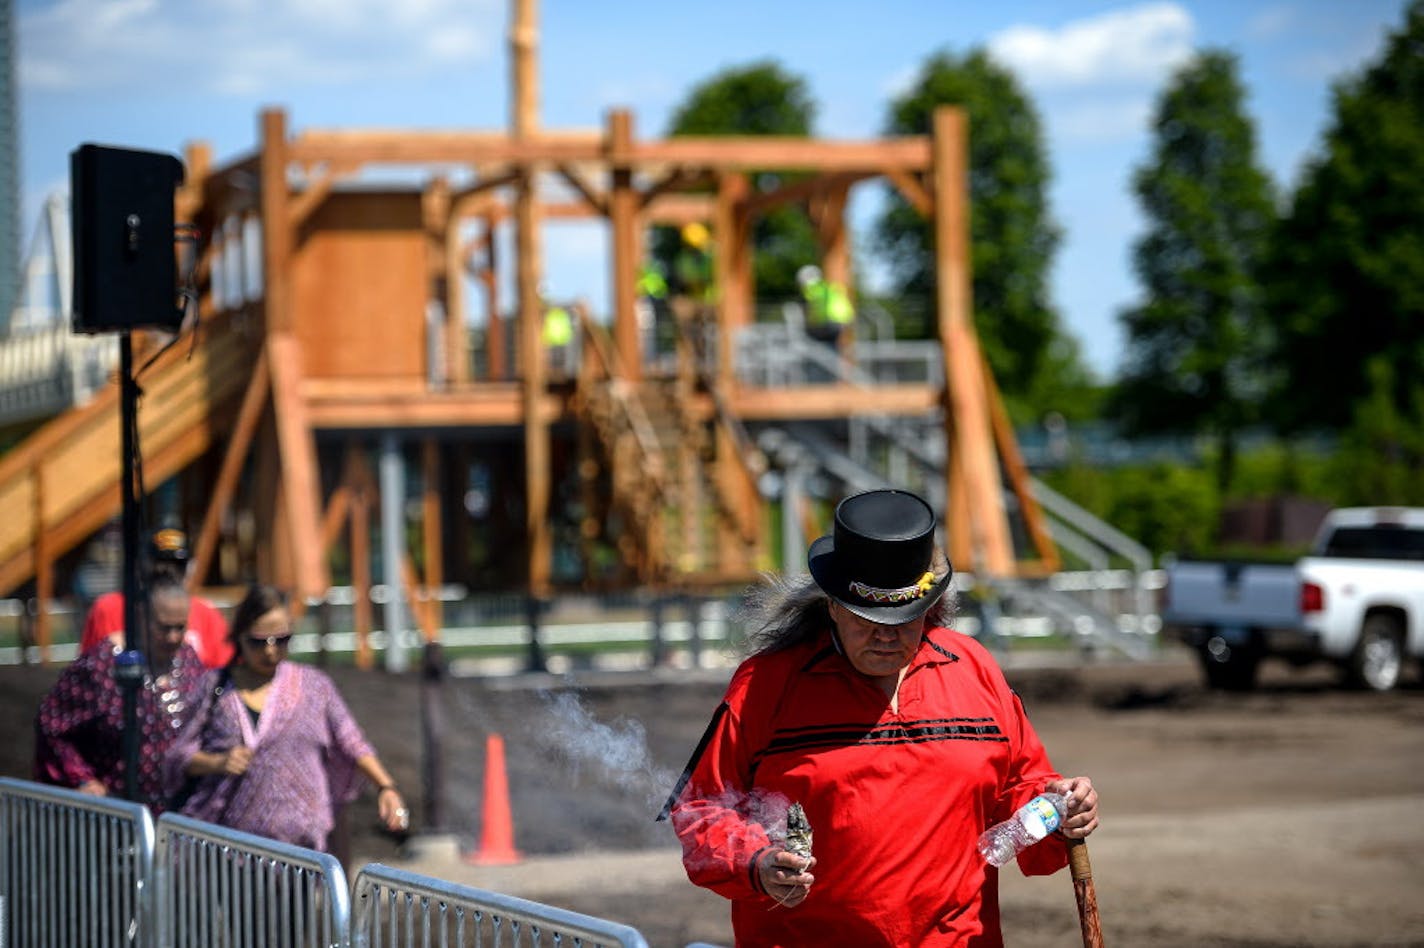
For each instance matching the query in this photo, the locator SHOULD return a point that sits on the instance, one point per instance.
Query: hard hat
(695, 235)
(808, 274)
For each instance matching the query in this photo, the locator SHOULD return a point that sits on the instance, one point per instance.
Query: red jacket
(896, 800)
(207, 629)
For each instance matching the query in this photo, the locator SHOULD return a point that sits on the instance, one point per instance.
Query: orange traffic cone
(497, 826)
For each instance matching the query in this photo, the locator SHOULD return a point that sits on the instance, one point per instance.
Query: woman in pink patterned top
(275, 751)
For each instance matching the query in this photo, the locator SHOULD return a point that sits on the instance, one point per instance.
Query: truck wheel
(1229, 667)
(1379, 655)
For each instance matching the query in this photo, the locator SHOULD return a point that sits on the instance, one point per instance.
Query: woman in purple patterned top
(79, 731)
(275, 751)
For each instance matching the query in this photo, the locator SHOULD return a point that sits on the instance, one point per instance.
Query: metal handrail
(74, 868)
(215, 885)
(394, 907)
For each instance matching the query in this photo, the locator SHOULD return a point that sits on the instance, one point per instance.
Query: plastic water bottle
(1032, 822)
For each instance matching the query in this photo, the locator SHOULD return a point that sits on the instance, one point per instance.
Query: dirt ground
(1290, 816)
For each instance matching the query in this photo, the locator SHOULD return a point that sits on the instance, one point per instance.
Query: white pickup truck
(1356, 600)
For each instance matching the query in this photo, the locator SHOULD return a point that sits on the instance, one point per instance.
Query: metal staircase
(876, 452)
(674, 518)
(69, 469)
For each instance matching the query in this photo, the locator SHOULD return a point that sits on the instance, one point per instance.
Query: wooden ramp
(61, 484)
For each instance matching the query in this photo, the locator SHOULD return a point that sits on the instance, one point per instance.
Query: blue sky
(157, 74)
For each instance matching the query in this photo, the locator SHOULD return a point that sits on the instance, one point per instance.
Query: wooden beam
(597, 202)
(787, 153)
(254, 400)
(912, 190)
(305, 202)
(414, 146)
(676, 180)
(44, 567)
(1017, 472)
(966, 401)
(830, 401)
(805, 190)
(679, 209)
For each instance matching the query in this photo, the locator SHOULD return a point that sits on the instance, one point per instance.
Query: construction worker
(558, 338)
(829, 312)
(654, 319)
(693, 265)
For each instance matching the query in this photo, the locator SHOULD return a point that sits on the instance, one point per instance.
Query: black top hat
(880, 561)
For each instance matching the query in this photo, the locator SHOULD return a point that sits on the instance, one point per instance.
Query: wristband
(384, 787)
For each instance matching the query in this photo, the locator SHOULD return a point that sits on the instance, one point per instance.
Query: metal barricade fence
(393, 908)
(74, 868)
(219, 886)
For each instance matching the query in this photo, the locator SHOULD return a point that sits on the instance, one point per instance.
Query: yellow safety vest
(558, 327)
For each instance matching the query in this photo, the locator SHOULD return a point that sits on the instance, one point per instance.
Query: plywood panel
(359, 288)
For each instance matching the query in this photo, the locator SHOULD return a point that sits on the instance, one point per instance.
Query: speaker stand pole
(129, 668)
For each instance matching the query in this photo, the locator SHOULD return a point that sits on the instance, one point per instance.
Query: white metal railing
(394, 908)
(45, 371)
(74, 868)
(218, 886)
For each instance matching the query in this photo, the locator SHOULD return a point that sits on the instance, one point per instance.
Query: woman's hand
(1082, 799)
(94, 788)
(785, 876)
(235, 761)
(392, 808)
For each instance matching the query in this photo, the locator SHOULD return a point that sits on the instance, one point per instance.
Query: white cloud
(248, 46)
(1139, 44)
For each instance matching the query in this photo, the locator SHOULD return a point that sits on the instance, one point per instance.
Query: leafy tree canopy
(1196, 345)
(1012, 234)
(1347, 276)
(757, 99)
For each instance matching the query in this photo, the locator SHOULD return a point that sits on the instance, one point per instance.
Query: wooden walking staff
(1083, 890)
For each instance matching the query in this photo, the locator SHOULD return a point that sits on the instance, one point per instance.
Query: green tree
(1012, 234)
(1196, 345)
(1347, 275)
(757, 99)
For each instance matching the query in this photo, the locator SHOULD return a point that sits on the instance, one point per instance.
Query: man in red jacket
(168, 559)
(899, 739)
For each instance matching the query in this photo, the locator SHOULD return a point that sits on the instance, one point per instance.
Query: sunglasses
(262, 641)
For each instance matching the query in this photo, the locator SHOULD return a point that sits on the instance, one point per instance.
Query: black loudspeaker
(125, 271)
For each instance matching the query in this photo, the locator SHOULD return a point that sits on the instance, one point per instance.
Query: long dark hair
(259, 600)
(784, 611)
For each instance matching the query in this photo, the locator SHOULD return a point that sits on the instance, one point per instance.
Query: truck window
(1381, 542)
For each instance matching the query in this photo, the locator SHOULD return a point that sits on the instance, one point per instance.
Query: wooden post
(299, 474)
(623, 215)
(431, 531)
(965, 399)
(495, 344)
(529, 271)
(435, 216)
(731, 271)
(362, 498)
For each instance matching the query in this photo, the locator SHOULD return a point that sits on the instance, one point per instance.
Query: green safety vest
(558, 327)
(652, 284)
(828, 304)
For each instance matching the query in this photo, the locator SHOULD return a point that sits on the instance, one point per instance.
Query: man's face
(873, 649)
(168, 621)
